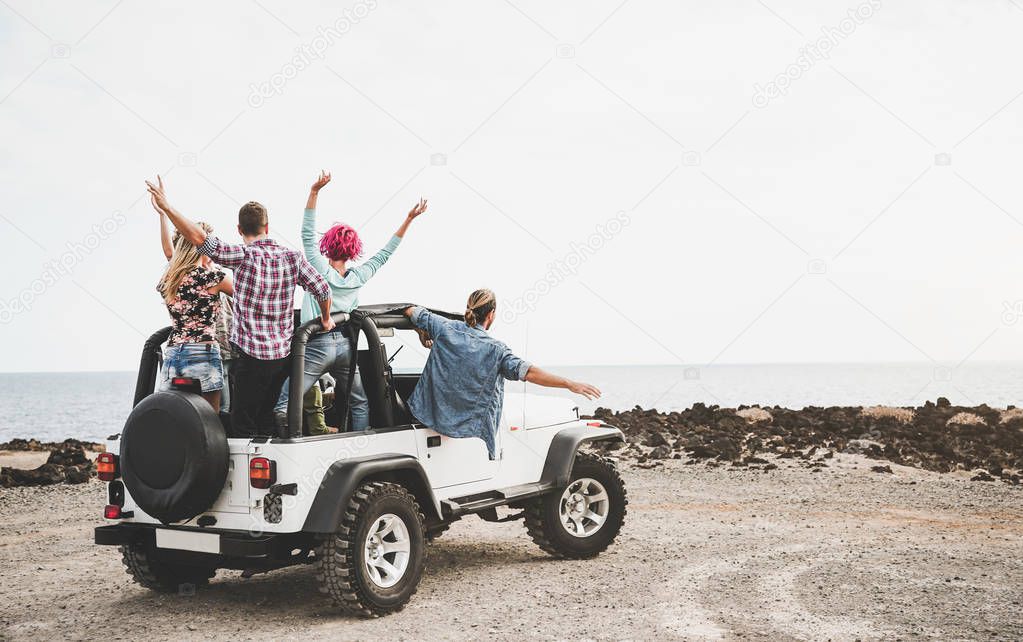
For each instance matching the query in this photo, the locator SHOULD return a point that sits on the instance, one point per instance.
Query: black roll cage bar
(364, 319)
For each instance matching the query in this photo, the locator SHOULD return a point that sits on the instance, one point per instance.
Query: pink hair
(341, 243)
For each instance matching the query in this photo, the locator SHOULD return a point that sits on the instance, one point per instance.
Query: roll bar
(373, 367)
(149, 365)
(295, 393)
(365, 320)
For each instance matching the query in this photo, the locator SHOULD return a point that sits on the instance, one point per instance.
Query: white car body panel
(456, 468)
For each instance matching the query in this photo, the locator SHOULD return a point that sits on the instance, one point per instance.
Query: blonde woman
(191, 288)
(227, 354)
(461, 391)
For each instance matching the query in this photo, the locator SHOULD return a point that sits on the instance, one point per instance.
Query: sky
(640, 182)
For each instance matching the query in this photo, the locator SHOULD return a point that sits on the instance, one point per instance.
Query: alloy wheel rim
(387, 550)
(584, 507)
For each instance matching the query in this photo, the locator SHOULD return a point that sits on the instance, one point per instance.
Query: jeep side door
(451, 461)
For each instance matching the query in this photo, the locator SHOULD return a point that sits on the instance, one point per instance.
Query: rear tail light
(262, 472)
(186, 384)
(594, 424)
(106, 467)
(112, 511)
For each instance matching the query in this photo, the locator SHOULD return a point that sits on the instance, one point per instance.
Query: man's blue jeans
(331, 352)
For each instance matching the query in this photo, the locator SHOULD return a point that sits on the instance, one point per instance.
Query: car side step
(456, 507)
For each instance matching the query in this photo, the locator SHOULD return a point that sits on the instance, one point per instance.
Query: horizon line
(935, 364)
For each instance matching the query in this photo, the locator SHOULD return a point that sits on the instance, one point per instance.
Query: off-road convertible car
(185, 500)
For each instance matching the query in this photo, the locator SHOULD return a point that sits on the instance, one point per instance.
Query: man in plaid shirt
(265, 276)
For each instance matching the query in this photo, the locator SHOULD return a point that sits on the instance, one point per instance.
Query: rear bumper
(232, 544)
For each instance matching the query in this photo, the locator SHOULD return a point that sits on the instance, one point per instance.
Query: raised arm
(416, 210)
(375, 262)
(165, 237)
(314, 191)
(309, 246)
(195, 234)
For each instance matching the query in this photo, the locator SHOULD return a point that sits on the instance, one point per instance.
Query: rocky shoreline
(70, 461)
(936, 436)
(940, 437)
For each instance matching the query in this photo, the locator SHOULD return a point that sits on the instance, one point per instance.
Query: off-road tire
(340, 558)
(143, 564)
(543, 515)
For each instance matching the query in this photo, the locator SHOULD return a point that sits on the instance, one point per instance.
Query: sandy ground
(24, 458)
(706, 553)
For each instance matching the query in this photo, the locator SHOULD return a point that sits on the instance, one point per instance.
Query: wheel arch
(343, 478)
(557, 468)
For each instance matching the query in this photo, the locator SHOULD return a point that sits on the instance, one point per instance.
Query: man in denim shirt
(461, 392)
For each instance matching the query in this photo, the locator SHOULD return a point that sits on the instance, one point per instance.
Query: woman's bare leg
(213, 398)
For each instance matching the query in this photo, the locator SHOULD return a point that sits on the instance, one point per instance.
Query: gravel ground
(842, 553)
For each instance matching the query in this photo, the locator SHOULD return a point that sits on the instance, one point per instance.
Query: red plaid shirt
(265, 276)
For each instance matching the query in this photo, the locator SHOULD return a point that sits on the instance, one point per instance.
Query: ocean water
(54, 406)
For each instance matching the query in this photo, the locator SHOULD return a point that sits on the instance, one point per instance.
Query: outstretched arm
(195, 234)
(550, 380)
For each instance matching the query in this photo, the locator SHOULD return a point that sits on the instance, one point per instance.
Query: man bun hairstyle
(252, 219)
(481, 303)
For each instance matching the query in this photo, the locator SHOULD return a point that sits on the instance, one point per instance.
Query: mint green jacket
(344, 288)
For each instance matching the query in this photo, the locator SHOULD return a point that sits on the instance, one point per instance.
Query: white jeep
(185, 500)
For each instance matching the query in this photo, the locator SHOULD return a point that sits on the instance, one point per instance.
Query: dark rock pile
(39, 446)
(68, 463)
(937, 436)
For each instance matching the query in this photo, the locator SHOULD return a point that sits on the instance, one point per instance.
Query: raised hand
(418, 208)
(322, 180)
(152, 201)
(157, 195)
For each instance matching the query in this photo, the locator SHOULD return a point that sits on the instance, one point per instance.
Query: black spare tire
(174, 455)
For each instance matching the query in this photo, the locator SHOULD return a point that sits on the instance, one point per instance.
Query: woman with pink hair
(331, 352)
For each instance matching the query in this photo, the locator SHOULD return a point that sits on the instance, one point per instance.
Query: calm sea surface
(54, 406)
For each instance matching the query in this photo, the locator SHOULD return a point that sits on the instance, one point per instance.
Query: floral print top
(195, 311)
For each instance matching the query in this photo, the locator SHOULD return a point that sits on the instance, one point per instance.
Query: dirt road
(844, 553)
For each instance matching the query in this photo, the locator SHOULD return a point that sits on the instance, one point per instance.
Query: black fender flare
(343, 478)
(557, 469)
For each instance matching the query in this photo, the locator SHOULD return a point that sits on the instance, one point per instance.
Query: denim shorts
(196, 361)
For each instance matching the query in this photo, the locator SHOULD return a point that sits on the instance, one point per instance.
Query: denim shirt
(461, 392)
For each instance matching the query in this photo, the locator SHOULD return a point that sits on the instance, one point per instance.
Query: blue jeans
(196, 361)
(331, 352)
(225, 393)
